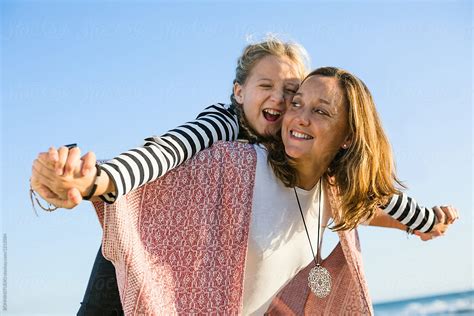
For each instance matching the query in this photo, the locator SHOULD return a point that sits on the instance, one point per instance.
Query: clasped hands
(62, 177)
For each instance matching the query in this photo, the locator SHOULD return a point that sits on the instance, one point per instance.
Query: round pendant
(319, 281)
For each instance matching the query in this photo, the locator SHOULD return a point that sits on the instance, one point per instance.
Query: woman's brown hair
(364, 173)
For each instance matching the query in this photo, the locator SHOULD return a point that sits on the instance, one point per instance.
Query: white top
(278, 247)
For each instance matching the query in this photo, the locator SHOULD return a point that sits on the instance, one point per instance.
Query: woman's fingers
(74, 196)
(45, 192)
(89, 160)
(44, 176)
(53, 154)
(41, 173)
(450, 213)
(439, 214)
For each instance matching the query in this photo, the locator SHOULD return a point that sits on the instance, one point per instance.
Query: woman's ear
(347, 142)
(238, 93)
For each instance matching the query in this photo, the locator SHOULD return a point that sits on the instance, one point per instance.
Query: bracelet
(50, 207)
(409, 231)
(95, 185)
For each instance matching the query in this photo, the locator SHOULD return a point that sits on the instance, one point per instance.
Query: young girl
(267, 76)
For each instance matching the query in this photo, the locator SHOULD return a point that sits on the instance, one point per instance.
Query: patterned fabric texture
(349, 293)
(179, 244)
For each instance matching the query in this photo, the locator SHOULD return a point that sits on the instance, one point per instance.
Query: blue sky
(108, 74)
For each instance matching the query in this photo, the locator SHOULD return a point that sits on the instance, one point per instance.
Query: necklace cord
(304, 223)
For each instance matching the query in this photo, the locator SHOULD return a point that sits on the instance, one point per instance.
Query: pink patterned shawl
(178, 244)
(349, 293)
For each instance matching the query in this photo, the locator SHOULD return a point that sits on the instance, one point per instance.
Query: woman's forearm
(408, 212)
(381, 219)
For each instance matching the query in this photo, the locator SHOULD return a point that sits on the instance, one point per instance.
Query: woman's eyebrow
(324, 101)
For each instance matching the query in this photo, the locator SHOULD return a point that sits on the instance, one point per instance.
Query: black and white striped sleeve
(160, 154)
(407, 211)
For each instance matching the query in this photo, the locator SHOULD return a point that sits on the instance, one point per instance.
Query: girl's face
(267, 93)
(316, 126)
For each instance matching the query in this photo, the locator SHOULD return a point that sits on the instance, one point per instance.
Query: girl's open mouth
(272, 115)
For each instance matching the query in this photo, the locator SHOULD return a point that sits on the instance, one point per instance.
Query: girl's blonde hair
(270, 46)
(364, 173)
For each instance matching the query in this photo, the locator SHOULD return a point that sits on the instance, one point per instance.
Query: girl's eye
(290, 91)
(267, 86)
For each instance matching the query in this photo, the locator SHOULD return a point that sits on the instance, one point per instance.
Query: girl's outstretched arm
(161, 154)
(139, 165)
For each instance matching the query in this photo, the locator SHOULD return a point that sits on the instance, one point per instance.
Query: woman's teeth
(271, 114)
(300, 135)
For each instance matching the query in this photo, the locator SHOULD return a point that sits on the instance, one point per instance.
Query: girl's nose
(278, 96)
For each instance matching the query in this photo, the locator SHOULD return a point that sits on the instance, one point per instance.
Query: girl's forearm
(104, 185)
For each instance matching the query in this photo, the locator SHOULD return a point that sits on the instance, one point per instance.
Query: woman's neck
(308, 176)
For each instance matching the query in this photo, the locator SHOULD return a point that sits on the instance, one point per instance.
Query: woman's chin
(293, 152)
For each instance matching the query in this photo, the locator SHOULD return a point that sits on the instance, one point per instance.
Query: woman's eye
(319, 111)
(290, 91)
(267, 86)
(295, 104)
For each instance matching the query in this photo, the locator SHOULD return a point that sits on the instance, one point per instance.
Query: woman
(332, 133)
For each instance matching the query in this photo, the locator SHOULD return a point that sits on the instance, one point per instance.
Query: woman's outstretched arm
(441, 221)
(410, 214)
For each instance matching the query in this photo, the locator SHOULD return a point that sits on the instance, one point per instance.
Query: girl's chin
(269, 130)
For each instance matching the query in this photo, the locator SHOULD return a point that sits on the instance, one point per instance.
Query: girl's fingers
(63, 153)
(72, 160)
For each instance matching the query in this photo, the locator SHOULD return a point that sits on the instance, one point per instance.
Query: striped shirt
(159, 155)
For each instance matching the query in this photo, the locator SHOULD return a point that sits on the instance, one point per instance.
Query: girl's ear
(238, 93)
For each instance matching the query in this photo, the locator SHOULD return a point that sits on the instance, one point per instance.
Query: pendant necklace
(319, 279)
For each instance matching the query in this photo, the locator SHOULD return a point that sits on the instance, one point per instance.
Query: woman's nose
(302, 118)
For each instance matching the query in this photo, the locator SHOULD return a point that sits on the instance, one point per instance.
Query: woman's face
(267, 93)
(315, 126)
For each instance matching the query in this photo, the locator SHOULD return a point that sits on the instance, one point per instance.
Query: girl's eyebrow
(294, 84)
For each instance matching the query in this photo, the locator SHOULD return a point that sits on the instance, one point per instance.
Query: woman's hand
(61, 177)
(445, 216)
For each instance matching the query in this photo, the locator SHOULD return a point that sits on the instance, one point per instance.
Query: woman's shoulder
(233, 147)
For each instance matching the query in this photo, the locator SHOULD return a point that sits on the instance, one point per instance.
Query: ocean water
(459, 303)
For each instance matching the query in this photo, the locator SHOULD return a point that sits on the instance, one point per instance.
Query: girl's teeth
(272, 112)
(271, 115)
